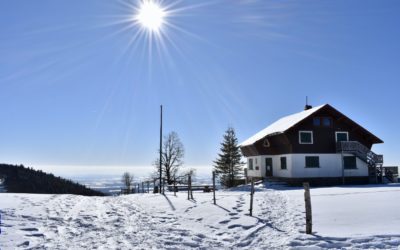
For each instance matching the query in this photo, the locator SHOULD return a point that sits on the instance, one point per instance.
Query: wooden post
(188, 187)
(154, 184)
(307, 199)
(213, 176)
(174, 185)
(251, 197)
(191, 190)
(148, 186)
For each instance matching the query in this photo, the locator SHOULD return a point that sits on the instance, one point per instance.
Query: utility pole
(161, 121)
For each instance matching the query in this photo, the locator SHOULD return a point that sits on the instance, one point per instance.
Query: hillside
(19, 179)
(362, 217)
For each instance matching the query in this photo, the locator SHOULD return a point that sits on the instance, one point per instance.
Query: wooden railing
(361, 151)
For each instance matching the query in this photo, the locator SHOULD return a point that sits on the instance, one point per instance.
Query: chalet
(320, 145)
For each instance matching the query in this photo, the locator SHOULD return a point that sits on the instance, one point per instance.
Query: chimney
(307, 107)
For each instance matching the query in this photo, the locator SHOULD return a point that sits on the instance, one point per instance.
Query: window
(283, 163)
(266, 143)
(312, 162)
(250, 164)
(327, 121)
(317, 121)
(342, 136)
(305, 137)
(349, 162)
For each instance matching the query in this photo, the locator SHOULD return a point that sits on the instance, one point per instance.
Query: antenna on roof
(307, 107)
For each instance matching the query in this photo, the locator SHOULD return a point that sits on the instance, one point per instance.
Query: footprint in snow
(29, 229)
(23, 244)
(35, 235)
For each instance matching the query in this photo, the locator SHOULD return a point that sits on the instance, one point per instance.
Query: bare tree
(127, 180)
(172, 156)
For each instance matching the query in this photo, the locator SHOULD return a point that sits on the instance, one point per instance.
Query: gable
(293, 122)
(281, 125)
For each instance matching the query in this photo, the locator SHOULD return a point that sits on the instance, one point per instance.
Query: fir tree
(228, 165)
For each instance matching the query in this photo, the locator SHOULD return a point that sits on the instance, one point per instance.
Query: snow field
(363, 217)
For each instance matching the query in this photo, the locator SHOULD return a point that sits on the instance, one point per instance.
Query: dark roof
(286, 123)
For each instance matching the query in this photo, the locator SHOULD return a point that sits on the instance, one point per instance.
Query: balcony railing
(361, 151)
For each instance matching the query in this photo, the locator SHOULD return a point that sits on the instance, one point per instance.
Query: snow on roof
(281, 125)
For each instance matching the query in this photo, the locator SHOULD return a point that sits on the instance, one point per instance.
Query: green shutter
(250, 164)
(283, 163)
(341, 136)
(312, 162)
(305, 137)
(350, 162)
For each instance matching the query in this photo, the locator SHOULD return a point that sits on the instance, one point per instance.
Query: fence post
(188, 186)
(148, 187)
(251, 197)
(307, 199)
(174, 185)
(213, 176)
(191, 190)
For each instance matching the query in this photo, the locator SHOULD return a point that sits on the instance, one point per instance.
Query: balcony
(359, 150)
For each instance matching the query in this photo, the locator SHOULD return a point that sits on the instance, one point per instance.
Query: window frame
(251, 166)
(311, 156)
(306, 131)
(283, 159)
(341, 132)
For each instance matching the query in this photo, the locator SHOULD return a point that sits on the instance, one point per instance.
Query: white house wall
(330, 166)
(276, 165)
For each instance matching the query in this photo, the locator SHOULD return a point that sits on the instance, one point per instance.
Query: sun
(150, 15)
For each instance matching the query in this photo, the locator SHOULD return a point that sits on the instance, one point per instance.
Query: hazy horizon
(81, 82)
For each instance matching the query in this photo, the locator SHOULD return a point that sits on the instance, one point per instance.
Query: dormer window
(305, 137)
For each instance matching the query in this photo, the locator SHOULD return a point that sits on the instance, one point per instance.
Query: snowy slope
(344, 217)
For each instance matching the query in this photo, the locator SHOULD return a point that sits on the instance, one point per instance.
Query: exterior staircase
(377, 172)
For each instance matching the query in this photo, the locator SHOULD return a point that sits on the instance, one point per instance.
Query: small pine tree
(228, 165)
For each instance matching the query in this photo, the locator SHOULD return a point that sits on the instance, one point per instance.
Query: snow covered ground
(364, 217)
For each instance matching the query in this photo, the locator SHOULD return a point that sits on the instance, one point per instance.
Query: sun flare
(151, 15)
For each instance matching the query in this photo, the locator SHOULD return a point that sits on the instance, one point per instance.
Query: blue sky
(77, 89)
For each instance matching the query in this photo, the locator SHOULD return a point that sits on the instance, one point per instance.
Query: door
(268, 166)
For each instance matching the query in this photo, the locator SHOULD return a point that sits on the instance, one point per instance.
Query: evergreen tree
(228, 165)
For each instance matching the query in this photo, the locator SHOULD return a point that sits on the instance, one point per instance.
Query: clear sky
(79, 87)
